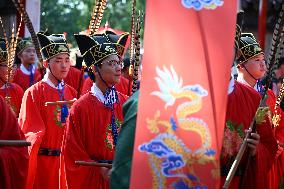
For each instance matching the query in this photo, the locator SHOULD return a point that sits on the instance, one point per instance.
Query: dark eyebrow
(58, 58)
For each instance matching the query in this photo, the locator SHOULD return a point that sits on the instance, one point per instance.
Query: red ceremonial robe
(121, 87)
(13, 160)
(23, 79)
(276, 171)
(73, 79)
(15, 92)
(88, 137)
(241, 108)
(279, 134)
(43, 128)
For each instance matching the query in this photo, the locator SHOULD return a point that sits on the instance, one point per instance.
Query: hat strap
(97, 69)
(249, 72)
(58, 80)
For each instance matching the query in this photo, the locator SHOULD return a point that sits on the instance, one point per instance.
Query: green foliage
(73, 16)
(229, 125)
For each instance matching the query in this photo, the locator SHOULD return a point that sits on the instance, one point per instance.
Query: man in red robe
(27, 74)
(95, 119)
(251, 70)
(12, 92)
(13, 160)
(44, 125)
(243, 103)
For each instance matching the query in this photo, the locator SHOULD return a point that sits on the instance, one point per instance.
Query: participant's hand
(280, 149)
(105, 173)
(252, 142)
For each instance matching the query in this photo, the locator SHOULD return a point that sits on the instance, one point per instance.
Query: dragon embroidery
(169, 156)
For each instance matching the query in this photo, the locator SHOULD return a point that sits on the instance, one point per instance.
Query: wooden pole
(92, 163)
(61, 102)
(262, 23)
(237, 161)
(14, 143)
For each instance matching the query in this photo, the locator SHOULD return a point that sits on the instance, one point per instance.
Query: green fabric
(282, 183)
(120, 175)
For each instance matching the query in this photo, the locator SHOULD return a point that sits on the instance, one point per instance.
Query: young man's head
(26, 52)
(55, 54)
(102, 54)
(4, 63)
(109, 70)
(125, 70)
(281, 66)
(251, 62)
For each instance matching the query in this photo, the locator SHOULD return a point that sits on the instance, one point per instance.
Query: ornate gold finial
(277, 116)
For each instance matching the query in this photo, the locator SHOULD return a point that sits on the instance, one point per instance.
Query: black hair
(281, 62)
(126, 62)
(17, 60)
(79, 61)
(91, 75)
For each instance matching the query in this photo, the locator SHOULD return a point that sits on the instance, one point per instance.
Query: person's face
(4, 72)
(281, 68)
(110, 70)
(256, 66)
(60, 65)
(27, 56)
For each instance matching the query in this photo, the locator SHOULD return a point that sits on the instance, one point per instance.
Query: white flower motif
(170, 84)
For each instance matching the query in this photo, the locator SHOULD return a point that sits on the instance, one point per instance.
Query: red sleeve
(75, 78)
(88, 83)
(263, 161)
(279, 131)
(18, 98)
(123, 86)
(32, 125)
(73, 149)
(13, 160)
(37, 76)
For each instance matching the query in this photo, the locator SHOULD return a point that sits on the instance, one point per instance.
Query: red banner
(183, 95)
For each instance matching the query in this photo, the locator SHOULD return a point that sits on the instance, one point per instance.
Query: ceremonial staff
(61, 102)
(11, 51)
(14, 143)
(131, 50)
(97, 16)
(93, 163)
(137, 59)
